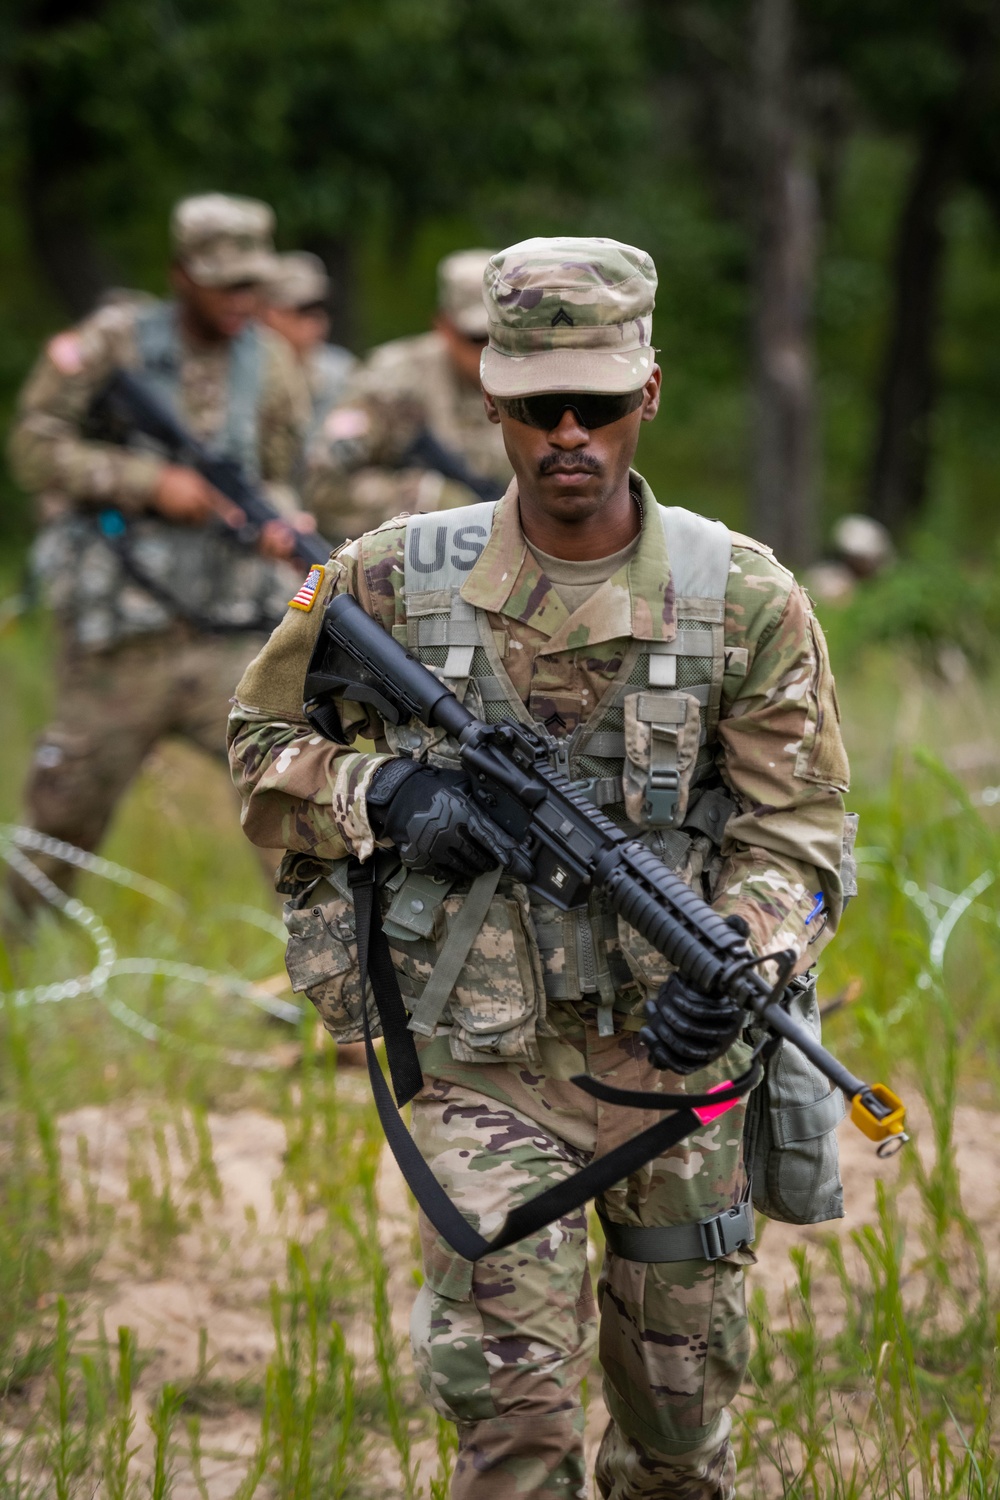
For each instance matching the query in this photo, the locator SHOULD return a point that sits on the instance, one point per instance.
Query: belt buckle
(726, 1232)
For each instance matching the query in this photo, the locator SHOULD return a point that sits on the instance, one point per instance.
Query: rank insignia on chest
(306, 596)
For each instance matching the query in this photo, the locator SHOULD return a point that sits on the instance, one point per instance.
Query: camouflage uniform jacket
(74, 477)
(355, 480)
(778, 751)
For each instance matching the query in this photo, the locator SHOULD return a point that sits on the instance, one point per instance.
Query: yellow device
(881, 1116)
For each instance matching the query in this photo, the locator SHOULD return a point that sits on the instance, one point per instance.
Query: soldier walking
(362, 467)
(683, 683)
(158, 608)
(295, 304)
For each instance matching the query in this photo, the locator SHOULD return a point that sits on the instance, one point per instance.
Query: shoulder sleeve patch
(306, 596)
(346, 424)
(66, 352)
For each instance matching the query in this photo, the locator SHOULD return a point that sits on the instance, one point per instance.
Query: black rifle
(426, 452)
(574, 849)
(126, 405)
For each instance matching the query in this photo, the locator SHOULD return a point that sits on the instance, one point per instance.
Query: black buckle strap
(728, 1231)
(707, 1239)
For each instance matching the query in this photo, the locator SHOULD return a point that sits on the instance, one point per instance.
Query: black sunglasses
(591, 410)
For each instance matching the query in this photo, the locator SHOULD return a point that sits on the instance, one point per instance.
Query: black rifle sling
(375, 962)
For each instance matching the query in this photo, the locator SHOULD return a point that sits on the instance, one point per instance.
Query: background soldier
(295, 305)
(684, 683)
(361, 467)
(158, 608)
(860, 548)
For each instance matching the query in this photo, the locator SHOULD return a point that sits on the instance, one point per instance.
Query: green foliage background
(388, 133)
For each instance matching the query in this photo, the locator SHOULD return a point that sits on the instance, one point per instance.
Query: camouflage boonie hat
(460, 290)
(220, 240)
(568, 314)
(298, 279)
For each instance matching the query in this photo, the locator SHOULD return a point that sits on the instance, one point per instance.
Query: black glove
(430, 816)
(686, 1030)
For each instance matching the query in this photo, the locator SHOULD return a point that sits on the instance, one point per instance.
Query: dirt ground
(218, 1274)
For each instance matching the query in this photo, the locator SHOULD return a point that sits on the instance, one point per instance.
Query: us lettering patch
(306, 596)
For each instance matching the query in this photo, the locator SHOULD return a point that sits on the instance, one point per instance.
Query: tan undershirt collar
(576, 582)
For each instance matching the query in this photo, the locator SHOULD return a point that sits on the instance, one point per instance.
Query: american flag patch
(306, 596)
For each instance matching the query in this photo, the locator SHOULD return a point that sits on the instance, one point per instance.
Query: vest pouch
(322, 954)
(493, 1010)
(790, 1134)
(694, 857)
(477, 980)
(662, 734)
(497, 1004)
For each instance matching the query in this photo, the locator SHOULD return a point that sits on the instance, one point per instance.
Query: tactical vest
(645, 755)
(91, 567)
(160, 352)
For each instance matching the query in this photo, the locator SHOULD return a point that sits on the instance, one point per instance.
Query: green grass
(890, 1393)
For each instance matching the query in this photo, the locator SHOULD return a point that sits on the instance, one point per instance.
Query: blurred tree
(51, 80)
(735, 67)
(375, 123)
(928, 69)
(343, 115)
(784, 483)
(769, 93)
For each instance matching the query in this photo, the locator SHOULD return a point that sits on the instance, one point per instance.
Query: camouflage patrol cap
(568, 314)
(460, 290)
(863, 542)
(221, 240)
(298, 279)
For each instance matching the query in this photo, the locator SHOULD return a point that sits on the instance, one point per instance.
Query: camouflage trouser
(502, 1346)
(111, 708)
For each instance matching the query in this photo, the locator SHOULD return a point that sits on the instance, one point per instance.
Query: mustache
(585, 462)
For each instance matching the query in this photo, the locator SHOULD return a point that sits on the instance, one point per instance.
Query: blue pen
(816, 908)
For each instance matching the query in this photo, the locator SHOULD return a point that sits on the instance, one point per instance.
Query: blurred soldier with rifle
(295, 305)
(162, 590)
(671, 679)
(410, 433)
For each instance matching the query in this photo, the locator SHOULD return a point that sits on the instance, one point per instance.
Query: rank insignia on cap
(306, 596)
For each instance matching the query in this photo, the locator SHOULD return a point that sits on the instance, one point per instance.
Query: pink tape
(713, 1111)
